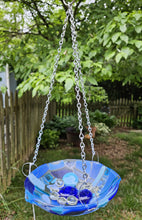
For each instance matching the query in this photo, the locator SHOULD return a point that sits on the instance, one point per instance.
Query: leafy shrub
(50, 138)
(102, 129)
(57, 124)
(103, 117)
(137, 124)
(60, 124)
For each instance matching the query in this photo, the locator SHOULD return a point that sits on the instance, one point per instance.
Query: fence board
(12, 132)
(20, 121)
(2, 146)
(8, 141)
(125, 110)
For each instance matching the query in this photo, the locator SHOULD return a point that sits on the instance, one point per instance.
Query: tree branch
(76, 7)
(39, 14)
(64, 6)
(15, 33)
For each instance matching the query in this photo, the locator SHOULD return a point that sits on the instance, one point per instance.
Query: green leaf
(92, 80)
(34, 91)
(118, 57)
(125, 38)
(98, 64)
(92, 53)
(41, 87)
(106, 39)
(109, 68)
(45, 90)
(42, 68)
(126, 52)
(111, 27)
(139, 60)
(109, 44)
(137, 15)
(3, 89)
(68, 84)
(26, 87)
(118, 42)
(61, 79)
(138, 43)
(123, 28)
(115, 37)
(109, 54)
(106, 36)
(138, 28)
(88, 63)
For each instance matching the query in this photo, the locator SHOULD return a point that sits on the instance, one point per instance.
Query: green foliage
(103, 117)
(137, 124)
(50, 138)
(110, 42)
(121, 40)
(60, 124)
(102, 129)
(3, 89)
(133, 138)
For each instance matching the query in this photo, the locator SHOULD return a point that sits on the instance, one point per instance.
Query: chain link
(78, 96)
(80, 76)
(50, 89)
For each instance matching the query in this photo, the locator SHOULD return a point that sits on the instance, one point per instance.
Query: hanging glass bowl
(70, 187)
(59, 187)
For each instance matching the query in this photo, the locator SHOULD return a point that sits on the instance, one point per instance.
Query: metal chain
(50, 89)
(68, 2)
(78, 97)
(78, 69)
(78, 74)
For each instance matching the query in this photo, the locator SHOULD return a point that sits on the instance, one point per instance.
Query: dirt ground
(114, 148)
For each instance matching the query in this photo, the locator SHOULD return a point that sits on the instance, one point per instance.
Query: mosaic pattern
(59, 188)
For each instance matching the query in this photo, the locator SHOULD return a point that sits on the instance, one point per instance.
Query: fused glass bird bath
(59, 188)
(70, 187)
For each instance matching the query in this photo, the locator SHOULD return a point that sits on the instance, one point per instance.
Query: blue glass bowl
(59, 188)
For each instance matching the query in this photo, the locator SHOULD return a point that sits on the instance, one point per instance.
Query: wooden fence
(125, 110)
(20, 121)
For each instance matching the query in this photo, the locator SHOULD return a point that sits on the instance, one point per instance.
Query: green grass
(126, 205)
(133, 138)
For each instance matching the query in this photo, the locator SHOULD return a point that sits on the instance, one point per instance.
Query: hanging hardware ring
(69, 3)
(30, 167)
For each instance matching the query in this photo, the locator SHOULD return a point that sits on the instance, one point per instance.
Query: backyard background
(110, 43)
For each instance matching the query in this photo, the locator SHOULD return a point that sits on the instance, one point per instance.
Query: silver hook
(30, 167)
(95, 153)
(69, 3)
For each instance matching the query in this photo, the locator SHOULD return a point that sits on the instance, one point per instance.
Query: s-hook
(69, 3)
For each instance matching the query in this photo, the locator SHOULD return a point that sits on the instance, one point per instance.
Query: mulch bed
(114, 149)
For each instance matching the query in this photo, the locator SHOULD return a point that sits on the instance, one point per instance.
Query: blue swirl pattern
(59, 188)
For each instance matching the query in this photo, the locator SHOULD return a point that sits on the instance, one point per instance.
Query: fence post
(12, 132)
(16, 111)
(8, 141)
(135, 111)
(2, 147)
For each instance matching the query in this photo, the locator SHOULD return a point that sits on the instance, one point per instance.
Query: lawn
(126, 160)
